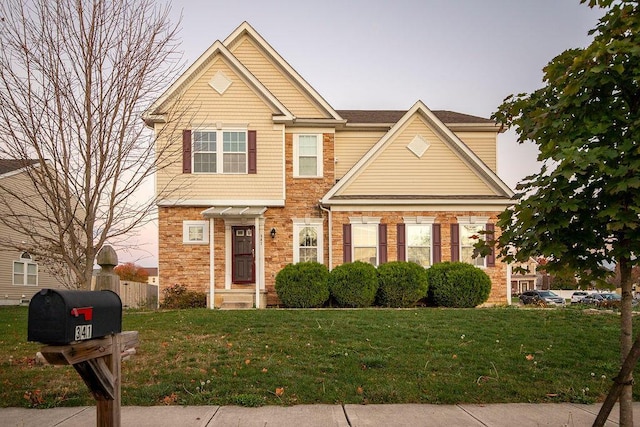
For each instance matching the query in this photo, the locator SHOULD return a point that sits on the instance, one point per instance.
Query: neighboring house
(153, 275)
(525, 276)
(21, 275)
(258, 171)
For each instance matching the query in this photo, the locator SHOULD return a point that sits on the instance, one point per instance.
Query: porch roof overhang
(234, 211)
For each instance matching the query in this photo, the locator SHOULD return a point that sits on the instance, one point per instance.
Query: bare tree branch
(75, 78)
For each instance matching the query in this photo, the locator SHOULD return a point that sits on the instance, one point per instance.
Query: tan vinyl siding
(438, 172)
(483, 144)
(351, 146)
(238, 106)
(275, 80)
(10, 293)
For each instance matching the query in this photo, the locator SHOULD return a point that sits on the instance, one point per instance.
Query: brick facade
(189, 264)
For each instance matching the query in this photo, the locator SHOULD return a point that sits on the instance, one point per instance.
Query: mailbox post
(84, 329)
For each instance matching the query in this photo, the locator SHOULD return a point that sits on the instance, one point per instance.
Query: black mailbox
(63, 316)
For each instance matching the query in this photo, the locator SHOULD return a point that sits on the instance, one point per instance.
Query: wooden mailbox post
(98, 362)
(84, 329)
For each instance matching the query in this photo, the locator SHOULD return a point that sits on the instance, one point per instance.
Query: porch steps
(237, 302)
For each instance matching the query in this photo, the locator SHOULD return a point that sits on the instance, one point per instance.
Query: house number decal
(83, 332)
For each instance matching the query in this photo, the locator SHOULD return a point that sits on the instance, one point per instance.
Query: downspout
(330, 224)
(212, 280)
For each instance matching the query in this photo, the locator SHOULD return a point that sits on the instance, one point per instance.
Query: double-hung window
(419, 242)
(307, 240)
(205, 152)
(25, 271)
(307, 155)
(220, 151)
(365, 243)
(470, 232)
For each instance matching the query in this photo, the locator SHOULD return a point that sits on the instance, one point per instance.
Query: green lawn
(284, 357)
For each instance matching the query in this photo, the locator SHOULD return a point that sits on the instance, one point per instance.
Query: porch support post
(258, 257)
(212, 280)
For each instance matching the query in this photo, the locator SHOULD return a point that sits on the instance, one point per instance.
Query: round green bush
(302, 285)
(354, 284)
(457, 284)
(401, 284)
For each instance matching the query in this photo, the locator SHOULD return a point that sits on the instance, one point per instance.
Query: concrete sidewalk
(494, 415)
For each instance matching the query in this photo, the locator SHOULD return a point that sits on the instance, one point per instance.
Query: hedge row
(393, 284)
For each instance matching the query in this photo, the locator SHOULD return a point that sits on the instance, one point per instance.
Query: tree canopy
(582, 210)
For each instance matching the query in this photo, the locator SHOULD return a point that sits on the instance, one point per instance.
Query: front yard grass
(285, 357)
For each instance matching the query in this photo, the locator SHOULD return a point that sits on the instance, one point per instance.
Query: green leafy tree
(582, 209)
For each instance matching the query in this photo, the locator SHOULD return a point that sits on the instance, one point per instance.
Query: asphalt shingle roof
(10, 165)
(392, 116)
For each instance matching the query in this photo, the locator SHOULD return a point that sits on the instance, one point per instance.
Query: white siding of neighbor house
(10, 293)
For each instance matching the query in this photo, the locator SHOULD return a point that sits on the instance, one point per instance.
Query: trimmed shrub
(177, 296)
(354, 284)
(401, 284)
(303, 285)
(457, 284)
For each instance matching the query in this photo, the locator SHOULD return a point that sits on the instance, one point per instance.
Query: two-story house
(21, 274)
(257, 171)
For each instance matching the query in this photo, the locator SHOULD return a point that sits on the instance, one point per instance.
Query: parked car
(577, 296)
(541, 298)
(594, 299)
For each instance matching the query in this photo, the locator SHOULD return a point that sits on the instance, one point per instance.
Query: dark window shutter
(346, 243)
(491, 258)
(402, 249)
(382, 243)
(186, 151)
(437, 243)
(252, 151)
(455, 243)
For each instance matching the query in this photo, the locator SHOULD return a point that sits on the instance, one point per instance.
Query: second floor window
(220, 151)
(307, 155)
(25, 271)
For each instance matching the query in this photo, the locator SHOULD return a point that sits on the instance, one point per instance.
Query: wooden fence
(136, 294)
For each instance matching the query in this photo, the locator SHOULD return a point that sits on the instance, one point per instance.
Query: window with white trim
(195, 232)
(418, 238)
(365, 243)
(471, 230)
(307, 155)
(25, 271)
(307, 240)
(220, 151)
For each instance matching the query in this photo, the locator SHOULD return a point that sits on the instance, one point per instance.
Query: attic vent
(220, 82)
(418, 146)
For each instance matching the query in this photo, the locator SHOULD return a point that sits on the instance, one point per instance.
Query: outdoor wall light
(273, 233)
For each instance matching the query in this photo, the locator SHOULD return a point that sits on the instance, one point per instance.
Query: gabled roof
(501, 190)
(154, 112)
(247, 29)
(14, 165)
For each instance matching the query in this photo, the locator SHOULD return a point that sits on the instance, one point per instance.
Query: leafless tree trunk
(75, 77)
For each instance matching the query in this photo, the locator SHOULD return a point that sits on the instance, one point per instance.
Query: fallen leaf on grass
(529, 357)
(279, 391)
(359, 390)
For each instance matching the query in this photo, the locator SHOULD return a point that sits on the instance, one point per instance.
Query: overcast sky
(459, 55)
